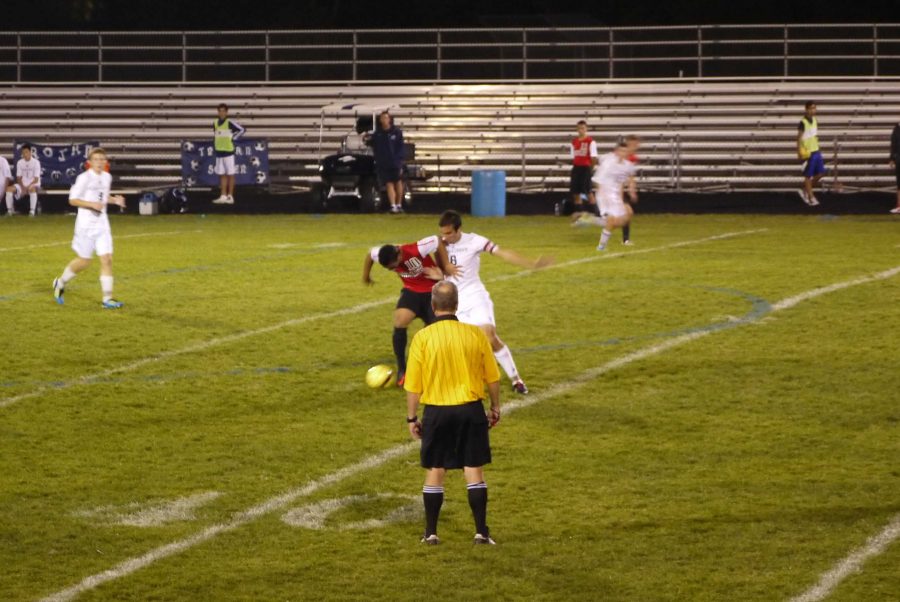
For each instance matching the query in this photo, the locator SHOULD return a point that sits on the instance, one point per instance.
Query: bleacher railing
(500, 54)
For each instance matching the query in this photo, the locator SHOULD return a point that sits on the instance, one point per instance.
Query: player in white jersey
(464, 251)
(28, 180)
(6, 178)
(614, 174)
(91, 194)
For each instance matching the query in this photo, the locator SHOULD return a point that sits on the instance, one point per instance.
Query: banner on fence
(251, 162)
(60, 163)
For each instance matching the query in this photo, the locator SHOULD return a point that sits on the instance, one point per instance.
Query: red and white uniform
(414, 258)
(475, 305)
(582, 150)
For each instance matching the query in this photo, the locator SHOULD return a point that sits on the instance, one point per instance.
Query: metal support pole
(355, 41)
(785, 51)
(99, 57)
(267, 56)
(611, 73)
(438, 55)
(19, 57)
(678, 162)
(699, 51)
(875, 49)
(524, 55)
(183, 57)
(671, 163)
(522, 181)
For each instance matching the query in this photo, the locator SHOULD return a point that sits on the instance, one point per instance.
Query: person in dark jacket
(895, 163)
(387, 142)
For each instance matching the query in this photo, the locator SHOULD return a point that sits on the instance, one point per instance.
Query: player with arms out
(91, 194)
(418, 271)
(614, 174)
(464, 251)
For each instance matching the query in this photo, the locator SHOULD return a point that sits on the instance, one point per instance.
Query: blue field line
(184, 270)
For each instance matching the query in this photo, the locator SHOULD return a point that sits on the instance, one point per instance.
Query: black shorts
(455, 436)
(390, 174)
(580, 179)
(418, 303)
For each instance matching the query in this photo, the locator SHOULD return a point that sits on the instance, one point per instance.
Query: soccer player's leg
(83, 243)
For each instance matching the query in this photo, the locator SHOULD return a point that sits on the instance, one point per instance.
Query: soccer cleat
(627, 243)
(813, 201)
(224, 200)
(483, 540)
(31, 214)
(230, 199)
(601, 247)
(58, 290)
(396, 209)
(10, 213)
(803, 196)
(431, 540)
(401, 380)
(112, 304)
(896, 210)
(519, 387)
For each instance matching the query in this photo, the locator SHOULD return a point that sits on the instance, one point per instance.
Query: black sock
(626, 232)
(433, 497)
(400, 348)
(478, 503)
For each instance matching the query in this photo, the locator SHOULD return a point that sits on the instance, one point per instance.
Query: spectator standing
(387, 144)
(225, 131)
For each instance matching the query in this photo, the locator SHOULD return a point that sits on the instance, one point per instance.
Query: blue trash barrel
(488, 193)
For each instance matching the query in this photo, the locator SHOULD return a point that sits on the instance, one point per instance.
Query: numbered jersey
(466, 255)
(93, 187)
(414, 258)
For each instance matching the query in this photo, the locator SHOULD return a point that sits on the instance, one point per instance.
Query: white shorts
(478, 310)
(96, 239)
(22, 191)
(225, 166)
(612, 205)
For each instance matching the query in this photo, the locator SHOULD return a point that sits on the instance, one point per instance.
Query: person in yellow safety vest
(225, 131)
(808, 151)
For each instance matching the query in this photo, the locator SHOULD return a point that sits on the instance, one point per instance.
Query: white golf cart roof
(350, 107)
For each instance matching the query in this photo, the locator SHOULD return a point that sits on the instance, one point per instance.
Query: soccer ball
(188, 146)
(380, 377)
(260, 146)
(56, 176)
(254, 161)
(70, 173)
(260, 177)
(195, 165)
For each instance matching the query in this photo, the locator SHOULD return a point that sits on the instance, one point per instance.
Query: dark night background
(356, 14)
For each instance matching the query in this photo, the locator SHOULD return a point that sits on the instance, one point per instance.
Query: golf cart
(349, 177)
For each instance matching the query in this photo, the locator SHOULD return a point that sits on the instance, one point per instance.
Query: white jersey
(29, 171)
(5, 173)
(612, 173)
(466, 255)
(94, 187)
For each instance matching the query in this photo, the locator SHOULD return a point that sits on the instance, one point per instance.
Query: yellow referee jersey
(449, 363)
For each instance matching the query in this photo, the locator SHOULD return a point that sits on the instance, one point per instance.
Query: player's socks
(478, 498)
(604, 238)
(505, 359)
(399, 340)
(9, 202)
(433, 498)
(106, 285)
(67, 275)
(32, 199)
(626, 232)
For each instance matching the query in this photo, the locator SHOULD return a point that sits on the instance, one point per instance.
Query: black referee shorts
(418, 303)
(580, 179)
(455, 436)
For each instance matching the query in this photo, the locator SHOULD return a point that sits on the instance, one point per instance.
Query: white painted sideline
(204, 345)
(281, 501)
(68, 242)
(852, 563)
(153, 514)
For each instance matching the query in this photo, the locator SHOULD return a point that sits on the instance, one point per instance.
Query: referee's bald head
(444, 297)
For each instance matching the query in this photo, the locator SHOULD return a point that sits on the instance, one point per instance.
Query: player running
(418, 271)
(90, 194)
(613, 175)
(464, 251)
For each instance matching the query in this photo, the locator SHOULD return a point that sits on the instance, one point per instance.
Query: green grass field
(686, 437)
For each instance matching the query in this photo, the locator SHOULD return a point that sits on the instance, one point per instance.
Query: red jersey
(414, 258)
(582, 151)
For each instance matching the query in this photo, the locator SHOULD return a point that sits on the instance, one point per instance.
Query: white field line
(204, 345)
(285, 499)
(68, 242)
(150, 515)
(852, 563)
(598, 256)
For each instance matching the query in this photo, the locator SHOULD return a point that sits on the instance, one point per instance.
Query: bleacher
(702, 135)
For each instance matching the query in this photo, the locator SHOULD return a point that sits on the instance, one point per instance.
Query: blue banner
(60, 163)
(251, 163)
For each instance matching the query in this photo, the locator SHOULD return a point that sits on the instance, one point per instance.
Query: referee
(449, 364)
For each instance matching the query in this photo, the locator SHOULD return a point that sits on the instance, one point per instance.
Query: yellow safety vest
(223, 139)
(809, 140)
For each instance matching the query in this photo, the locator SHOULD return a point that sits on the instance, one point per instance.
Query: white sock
(604, 237)
(67, 275)
(106, 285)
(32, 198)
(9, 201)
(505, 359)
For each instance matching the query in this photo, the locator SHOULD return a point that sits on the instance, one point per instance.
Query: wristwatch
(413, 419)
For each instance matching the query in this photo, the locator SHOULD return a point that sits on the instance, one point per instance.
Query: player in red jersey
(583, 152)
(418, 271)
